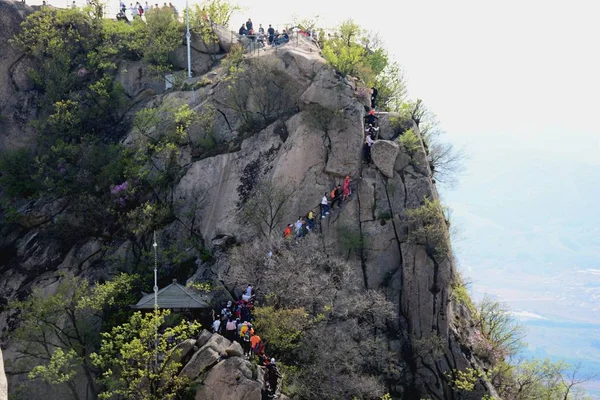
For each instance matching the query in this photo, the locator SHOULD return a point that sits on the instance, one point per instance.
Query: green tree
(428, 228)
(18, 170)
(344, 51)
(540, 379)
(498, 325)
(391, 88)
(353, 51)
(156, 37)
(140, 359)
(445, 160)
(56, 334)
(216, 11)
(282, 327)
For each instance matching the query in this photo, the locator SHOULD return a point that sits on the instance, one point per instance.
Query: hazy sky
(502, 75)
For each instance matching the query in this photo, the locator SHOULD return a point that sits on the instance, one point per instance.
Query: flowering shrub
(116, 189)
(120, 191)
(485, 349)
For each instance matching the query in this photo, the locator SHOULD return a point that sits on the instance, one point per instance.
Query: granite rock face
(311, 158)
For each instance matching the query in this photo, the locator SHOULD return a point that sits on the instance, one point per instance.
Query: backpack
(333, 193)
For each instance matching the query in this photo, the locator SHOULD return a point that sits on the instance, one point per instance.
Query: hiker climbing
(272, 377)
(324, 206)
(310, 220)
(374, 93)
(346, 189)
(367, 149)
(336, 196)
(287, 233)
(371, 119)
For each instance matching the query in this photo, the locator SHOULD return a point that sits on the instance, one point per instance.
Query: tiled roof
(173, 296)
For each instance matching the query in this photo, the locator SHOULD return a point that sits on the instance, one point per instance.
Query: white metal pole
(155, 245)
(188, 36)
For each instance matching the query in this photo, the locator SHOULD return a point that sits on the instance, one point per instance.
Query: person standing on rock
(249, 25)
(273, 376)
(287, 233)
(374, 93)
(246, 342)
(367, 150)
(310, 220)
(371, 118)
(336, 196)
(346, 194)
(298, 227)
(271, 33)
(216, 325)
(254, 344)
(230, 329)
(324, 206)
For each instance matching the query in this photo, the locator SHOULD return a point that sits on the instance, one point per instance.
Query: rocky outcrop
(384, 153)
(137, 82)
(182, 350)
(3, 383)
(295, 152)
(17, 105)
(200, 62)
(226, 37)
(221, 372)
(207, 356)
(230, 379)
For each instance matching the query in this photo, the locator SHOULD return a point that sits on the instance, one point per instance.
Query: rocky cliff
(300, 150)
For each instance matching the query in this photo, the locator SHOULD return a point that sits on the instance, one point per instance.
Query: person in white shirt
(248, 293)
(216, 325)
(324, 206)
(133, 11)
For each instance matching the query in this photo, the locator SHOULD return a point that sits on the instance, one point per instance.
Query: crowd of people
(138, 11)
(305, 224)
(272, 36)
(234, 322)
(371, 129)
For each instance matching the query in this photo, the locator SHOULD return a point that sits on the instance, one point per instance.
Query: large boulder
(384, 153)
(200, 45)
(203, 337)
(227, 38)
(235, 350)
(202, 360)
(231, 379)
(181, 351)
(201, 63)
(219, 343)
(137, 82)
(3, 384)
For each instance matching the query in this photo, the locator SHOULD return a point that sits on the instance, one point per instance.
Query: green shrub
(460, 294)
(427, 227)
(16, 176)
(410, 141)
(351, 239)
